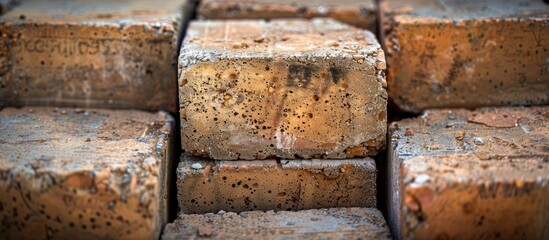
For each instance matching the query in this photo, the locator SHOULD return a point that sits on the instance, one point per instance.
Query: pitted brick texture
(206, 186)
(334, 223)
(459, 174)
(108, 54)
(444, 53)
(360, 13)
(284, 88)
(98, 174)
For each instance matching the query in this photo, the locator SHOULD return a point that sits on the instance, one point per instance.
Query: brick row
(283, 88)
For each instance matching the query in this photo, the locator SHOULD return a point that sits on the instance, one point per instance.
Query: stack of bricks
(82, 159)
(282, 107)
(280, 115)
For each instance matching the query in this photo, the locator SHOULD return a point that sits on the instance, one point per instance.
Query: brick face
(334, 223)
(466, 54)
(101, 174)
(470, 174)
(285, 88)
(70, 53)
(360, 13)
(210, 186)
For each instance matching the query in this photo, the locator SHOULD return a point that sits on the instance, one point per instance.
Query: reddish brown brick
(114, 54)
(333, 223)
(470, 174)
(466, 53)
(210, 186)
(284, 88)
(73, 173)
(360, 13)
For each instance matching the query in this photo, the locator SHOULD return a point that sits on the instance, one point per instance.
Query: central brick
(284, 88)
(206, 186)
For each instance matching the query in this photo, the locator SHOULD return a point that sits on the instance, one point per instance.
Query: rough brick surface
(69, 174)
(445, 53)
(335, 223)
(355, 12)
(115, 54)
(284, 88)
(463, 174)
(210, 186)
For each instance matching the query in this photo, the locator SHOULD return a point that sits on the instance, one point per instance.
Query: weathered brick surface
(463, 174)
(355, 12)
(284, 88)
(334, 223)
(115, 54)
(69, 174)
(466, 53)
(210, 186)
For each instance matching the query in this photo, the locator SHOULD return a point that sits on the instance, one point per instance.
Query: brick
(466, 53)
(206, 186)
(109, 54)
(358, 13)
(460, 174)
(285, 88)
(68, 173)
(334, 223)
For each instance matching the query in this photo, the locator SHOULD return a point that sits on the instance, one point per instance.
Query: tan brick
(93, 174)
(334, 223)
(284, 88)
(115, 54)
(206, 186)
(355, 12)
(459, 174)
(466, 53)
